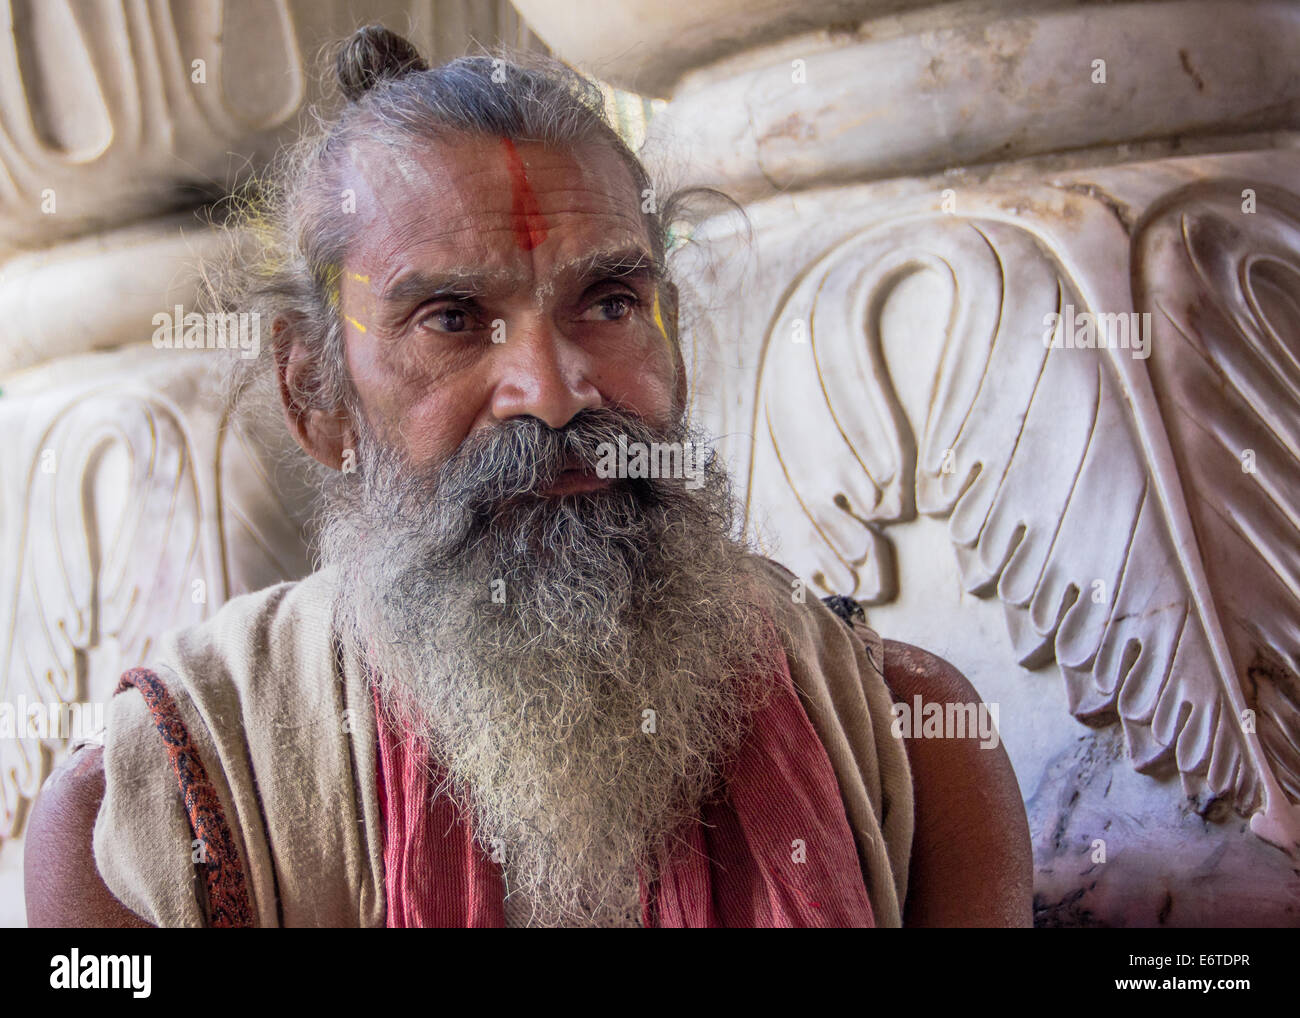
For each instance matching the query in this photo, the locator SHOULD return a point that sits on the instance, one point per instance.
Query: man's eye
(610, 308)
(448, 319)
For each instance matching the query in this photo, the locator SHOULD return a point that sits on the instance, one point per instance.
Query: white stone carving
(114, 111)
(142, 509)
(981, 85)
(100, 291)
(881, 360)
(1060, 474)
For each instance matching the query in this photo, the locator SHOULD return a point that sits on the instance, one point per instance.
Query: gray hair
(291, 240)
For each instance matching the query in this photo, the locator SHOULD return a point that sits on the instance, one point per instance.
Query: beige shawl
(284, 724)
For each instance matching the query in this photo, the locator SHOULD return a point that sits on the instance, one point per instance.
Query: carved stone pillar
(1008, 347)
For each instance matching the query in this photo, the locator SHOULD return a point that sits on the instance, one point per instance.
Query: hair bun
(372, 54)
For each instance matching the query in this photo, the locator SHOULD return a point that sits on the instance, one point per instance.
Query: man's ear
(324, 435)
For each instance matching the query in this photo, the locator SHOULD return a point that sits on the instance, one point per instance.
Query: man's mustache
(523, 457)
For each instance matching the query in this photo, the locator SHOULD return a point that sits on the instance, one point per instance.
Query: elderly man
(534, 682)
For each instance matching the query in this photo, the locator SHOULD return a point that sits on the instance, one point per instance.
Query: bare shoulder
(62, 883)
(972, 861)
(910, 669)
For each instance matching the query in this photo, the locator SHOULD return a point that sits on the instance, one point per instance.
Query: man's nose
(543, 374)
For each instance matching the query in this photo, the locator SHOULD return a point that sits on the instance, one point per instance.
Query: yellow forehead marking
(659, 318)
(360, 327)
(358, 277)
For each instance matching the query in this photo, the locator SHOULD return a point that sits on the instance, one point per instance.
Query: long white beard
(580, 668)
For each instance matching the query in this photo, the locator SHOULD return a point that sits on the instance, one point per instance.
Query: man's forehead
(461, 197)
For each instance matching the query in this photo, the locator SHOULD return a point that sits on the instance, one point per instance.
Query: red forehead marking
(530, 224)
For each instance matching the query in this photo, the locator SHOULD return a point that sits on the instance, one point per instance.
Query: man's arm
(63, 885)
(972, 864)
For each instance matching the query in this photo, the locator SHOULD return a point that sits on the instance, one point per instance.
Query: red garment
(777, 852)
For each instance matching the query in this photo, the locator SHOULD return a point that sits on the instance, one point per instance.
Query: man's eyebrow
(632, 261)
(413, 286)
